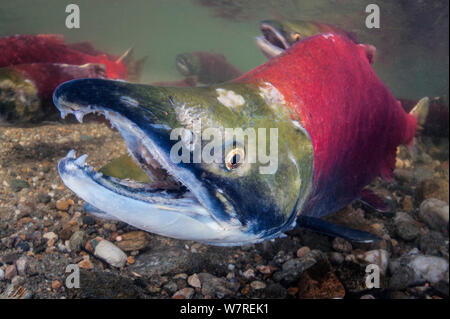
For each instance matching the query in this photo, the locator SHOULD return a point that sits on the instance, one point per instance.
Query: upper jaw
(272, 42)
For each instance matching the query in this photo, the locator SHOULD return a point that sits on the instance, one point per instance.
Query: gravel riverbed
(43, 229)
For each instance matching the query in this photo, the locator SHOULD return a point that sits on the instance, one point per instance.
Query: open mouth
(273, 36)
(272, 42)
(175, 203)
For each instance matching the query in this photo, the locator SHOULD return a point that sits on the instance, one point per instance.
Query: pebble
(378, 257)
(406, 227)
(63, 205)
(10, 272)
(432, 243)
(414, 269)
(249, 273)
(135, 240)
(194, 281)
(185, 293)
(266, 270)
(257, 285)
(130, 260)
(292, 269)
(217, 287)
(56, 284)
(86, 264)
(21, 265)
(44, 198)
(302, 251)
(435, 213)
(433, 188)
(50, 236)
(342, 245)
(77, 240)
(2, 274)
(108, 252)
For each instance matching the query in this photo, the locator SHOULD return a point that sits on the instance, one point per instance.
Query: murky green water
(412, 43)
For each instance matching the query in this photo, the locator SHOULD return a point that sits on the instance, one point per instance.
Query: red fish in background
(49, 48)
(33, 66)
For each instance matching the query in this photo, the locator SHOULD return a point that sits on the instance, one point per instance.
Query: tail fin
(420, 112)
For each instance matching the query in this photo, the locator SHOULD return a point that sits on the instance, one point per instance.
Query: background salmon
(24, 49)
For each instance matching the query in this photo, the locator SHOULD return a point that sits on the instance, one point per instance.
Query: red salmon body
(25, 49)
(354, 122)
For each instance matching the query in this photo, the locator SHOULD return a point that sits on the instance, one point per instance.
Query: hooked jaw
(189, 213)
(272, 42)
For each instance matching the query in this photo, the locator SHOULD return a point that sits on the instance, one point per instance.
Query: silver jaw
(267, 48)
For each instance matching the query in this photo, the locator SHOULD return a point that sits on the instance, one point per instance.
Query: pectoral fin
(374, 201)
(333, 230)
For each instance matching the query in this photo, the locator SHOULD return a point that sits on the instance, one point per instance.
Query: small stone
(414, 269)
(62, 205)
(216, 287)
(21, 265)
(266, 270)
(275, 291)
(17, 185)
(367, 297)
(10, 272)
(110, 253)
(56, 284)
(44, 198)
(433, 188)
(257, 285)
(50, 236)
(86, 264)
(407, 203)
(435, 213)
(292, 269)
(302, 251)
(185, 293)
(76, 241)
(135, 240)
(2, 274)
(432, 243)
(194, 281)
(249, 273)
(378, 257)
(406, 227)
(342, 245)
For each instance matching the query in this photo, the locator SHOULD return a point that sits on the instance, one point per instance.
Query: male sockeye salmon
(338, 128)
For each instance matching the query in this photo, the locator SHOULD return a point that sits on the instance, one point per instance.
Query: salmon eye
(297, 36)
(234, 158)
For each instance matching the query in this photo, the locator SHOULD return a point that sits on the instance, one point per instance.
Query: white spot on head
(270, 94)
(229, 98)
(329, 36)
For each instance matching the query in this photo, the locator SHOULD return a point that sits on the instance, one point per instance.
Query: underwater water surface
(412, 42)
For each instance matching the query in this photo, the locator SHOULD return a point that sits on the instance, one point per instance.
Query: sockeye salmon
(337, 125)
